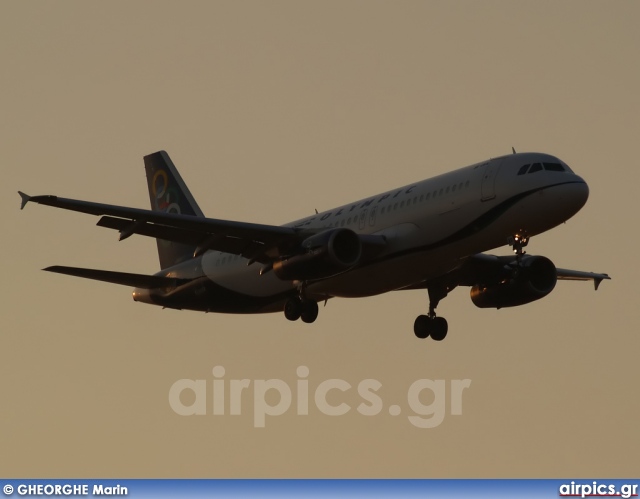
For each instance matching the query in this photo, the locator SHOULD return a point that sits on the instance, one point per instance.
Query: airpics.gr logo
(166, 197)
(426, 398)
(595, 489)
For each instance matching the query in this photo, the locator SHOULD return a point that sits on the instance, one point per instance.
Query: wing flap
(201, 241)
(124, 278)
(174, 234)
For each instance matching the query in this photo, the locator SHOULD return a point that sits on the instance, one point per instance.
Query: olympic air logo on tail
(166, 197)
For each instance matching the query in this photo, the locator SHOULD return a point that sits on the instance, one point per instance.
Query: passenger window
(415, 200)
(460, 185)
(523, 170)
(421, 198)
(435, 193)
(447, 191)
(553, 167)
(453, 189)
(536, 167)
(467, 183)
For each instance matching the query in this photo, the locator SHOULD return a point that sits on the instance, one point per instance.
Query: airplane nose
(582, 191)
(575, 195)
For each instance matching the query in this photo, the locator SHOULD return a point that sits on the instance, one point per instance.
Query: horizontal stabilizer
(124, 278)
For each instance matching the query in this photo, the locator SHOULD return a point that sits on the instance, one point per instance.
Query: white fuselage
(431, 227)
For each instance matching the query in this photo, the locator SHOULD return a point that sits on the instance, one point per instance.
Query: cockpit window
(553, 167)
(523, 170)
(536, 167)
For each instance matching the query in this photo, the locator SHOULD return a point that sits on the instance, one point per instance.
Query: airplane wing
(257, 242)
(577, 275)
(254, 241)
(483, 268)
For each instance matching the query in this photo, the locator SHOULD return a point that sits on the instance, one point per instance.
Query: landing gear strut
(518, 241)
(431, 325)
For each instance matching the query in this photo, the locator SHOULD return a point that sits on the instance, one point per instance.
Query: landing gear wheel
(293, 309)
(430, 325)
(439, 328)
(309, 311)
(422, 326)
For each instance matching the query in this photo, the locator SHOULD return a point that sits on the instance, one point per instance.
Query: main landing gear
(430, 325)
(301, 308)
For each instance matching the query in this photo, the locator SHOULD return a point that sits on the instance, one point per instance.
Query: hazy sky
(273, 109)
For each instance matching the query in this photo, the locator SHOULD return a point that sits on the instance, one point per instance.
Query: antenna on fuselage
(513, 149)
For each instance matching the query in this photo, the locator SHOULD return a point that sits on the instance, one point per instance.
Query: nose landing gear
(518, 241)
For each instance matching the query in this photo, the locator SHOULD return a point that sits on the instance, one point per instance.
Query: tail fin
(168, 193)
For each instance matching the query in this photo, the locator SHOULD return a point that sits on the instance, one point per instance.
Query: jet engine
(322, 255)
(534, 278)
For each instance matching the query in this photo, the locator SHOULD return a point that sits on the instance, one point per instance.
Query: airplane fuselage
(431, 227)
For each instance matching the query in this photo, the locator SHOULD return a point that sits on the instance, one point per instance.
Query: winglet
(597, 281)
(25, 199)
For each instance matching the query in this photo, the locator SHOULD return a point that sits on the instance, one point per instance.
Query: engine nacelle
(325, 254)
(534, 279)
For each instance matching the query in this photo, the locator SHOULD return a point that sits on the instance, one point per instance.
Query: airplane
(430, 235)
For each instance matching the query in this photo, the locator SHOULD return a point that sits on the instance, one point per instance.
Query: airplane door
(488, 190)
(363, 219)
(372, 216)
